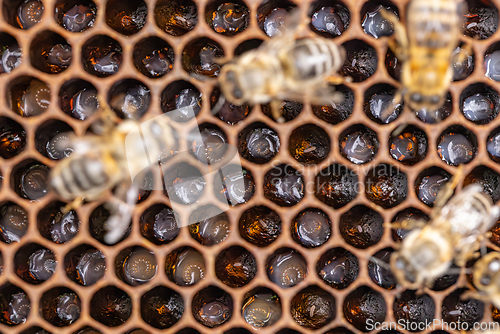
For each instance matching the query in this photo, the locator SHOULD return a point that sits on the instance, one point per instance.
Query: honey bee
(486, 278)
(284, 68)
(102, 162)
(454, 234)
(426, 46)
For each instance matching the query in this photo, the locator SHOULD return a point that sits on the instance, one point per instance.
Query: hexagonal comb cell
(127, 17)
(34, 263)
(335, 113)
(363, 306)
(457, 145)
(260, 226)
(28, 96)
(338, 268)
(75, 15)
(429, 182)
(12, 138)
(311, 228)
(23, 14)
(129, 98)
(55, 225)
(358, 144)
(284, 185)
(361, 227)
(60, 306)
(379, 105)
(52, 139)
(309, 144)
(271, 15)
(101, 56)
(85, 264)
(227, 18)
(158, 224)
(176, 17)
(372, 21)
(13, 222)
(361, 60)
(78, 98)
(286, 267)
(15, 305)
(481, 19)
(386, 186)
(329, 19)
(258, 143)
(261, 307)
(136, 265)
(409, 146)
(161, 307)
(199, 58)
(235, 266)
(111, 306)
(185, 266)
(336, 185)
(30, 179)
(212, 306)
(50, 53)
(479, 103)
(209, 225)
(313, 307)
(153, 57)
(10, 53)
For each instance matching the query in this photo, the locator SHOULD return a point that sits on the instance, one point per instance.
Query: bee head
(488, 269)
(230, 85)
(418, 101)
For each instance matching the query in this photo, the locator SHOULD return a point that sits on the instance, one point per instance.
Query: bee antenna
(379, 262)
(218, 105)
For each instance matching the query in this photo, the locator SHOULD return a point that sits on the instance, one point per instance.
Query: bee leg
(276, 111)
(408, 224)
(461, 57)
(399, 43)
(391, 106)
(121, 215)
(474, 295)
(77, 202)
(221, 60)
(337, 80)
(447, 191)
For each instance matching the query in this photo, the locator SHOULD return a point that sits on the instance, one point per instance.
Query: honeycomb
(262, 250)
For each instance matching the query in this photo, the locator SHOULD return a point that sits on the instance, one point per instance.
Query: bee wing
(320, 94)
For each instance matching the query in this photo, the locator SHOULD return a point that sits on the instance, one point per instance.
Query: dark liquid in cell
(455, 149)
(492, 65)
(359, 147)
(413, 308)
(467, 311)
(42, 264)
(102, 60)
(13, 222)
(184, 184)
(260, 226)
(375, 25)
(429, 188)
(57, 226)
(212, 307)
(274, 21)
(133, 102)
(111, 306)
(176, 17)
(210, 145)
(10, 58)
(235, 266)
(230, 18)
(338, 268)
(361, 227)
(288, 110)
(58, 58)
(259, 145)
(139, 267)
(493, 147)
(90, 267)
(234, 185)
(313, 307)
(30, 99)
(478, 108)
(262, 309)
(126, 17)
(29, 13)
(232, 113)
(309, 144)
(182, 105)
(82, 104)
(286, 268)
(398, 234)
(16, 308)
(161, 307)
(408, 147)
(185, 266)
(12, 142)
(34, 182)
(382, 108)
(335, 113)
(209, 225)
(386, 186)
(435, 116)
(158, 62)
(336, 186)
(311, 228)
(378, 272)
(284, 186)
(79, 17)
(199, 58)
(68, 309)
(363, 304)
(159, 224)
(327, 20)
(55, 146)
(361, 61)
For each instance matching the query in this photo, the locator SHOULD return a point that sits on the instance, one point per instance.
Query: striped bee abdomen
(311, 58)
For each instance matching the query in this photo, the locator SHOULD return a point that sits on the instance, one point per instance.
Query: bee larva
(101, 162)
(284, 68)
(426, 46)
(454, 234)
